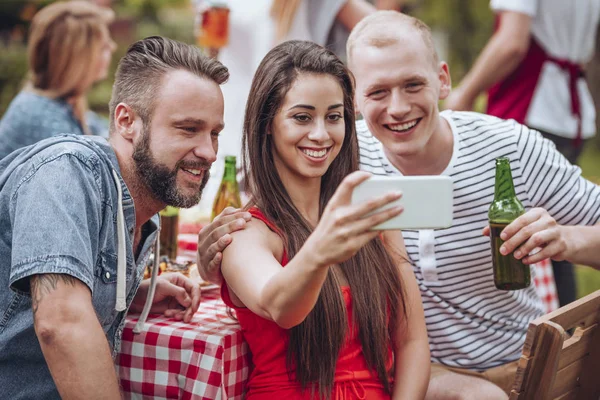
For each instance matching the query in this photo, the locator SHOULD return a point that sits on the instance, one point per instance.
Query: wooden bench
(557, 365)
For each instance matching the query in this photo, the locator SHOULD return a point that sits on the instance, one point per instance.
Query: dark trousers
(564, 275)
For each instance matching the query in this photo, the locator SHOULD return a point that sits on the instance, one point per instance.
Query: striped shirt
(470, 323)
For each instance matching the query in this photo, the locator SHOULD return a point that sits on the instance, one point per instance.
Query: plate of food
(187, 268)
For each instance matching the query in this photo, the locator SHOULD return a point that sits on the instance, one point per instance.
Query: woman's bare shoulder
(255, 235)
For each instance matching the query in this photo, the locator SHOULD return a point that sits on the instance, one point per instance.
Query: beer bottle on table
(229, 191)
(169, 221)
(509, 272)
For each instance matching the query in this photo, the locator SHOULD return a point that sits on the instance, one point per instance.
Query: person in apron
(532, 69)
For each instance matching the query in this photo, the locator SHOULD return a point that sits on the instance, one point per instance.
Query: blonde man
(476, 332)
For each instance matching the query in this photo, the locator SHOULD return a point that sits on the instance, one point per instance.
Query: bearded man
(79, 221)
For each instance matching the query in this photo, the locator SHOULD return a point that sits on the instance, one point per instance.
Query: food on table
(187, 268)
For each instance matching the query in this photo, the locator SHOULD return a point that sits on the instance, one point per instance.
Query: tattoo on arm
(44, 284)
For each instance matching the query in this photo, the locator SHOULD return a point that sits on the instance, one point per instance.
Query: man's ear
(125, 119)
(445, 81)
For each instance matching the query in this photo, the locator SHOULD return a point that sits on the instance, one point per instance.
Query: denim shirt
(58, 214)
(31, 117)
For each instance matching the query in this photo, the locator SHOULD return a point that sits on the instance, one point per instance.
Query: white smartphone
(427, 200)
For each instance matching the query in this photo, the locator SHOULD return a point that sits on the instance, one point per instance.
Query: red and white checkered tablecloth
(187, 246)
(545, 285)
(205, 359)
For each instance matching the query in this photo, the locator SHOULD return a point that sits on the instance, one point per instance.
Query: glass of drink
(212, 28)
(169, 221)
(509, 272)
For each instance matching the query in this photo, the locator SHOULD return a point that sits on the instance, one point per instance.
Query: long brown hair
(64, 40)
(377, 294)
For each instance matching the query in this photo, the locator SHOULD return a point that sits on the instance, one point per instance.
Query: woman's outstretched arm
(255, 277)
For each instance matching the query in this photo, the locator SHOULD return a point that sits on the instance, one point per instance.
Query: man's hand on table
(176, 297)
(214, 238)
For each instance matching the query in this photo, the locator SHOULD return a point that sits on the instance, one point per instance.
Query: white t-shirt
(470, 323)
(565, 30)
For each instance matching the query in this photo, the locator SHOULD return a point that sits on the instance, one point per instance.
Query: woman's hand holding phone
(344, 227)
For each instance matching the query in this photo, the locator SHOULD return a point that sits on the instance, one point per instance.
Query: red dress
(269, 378)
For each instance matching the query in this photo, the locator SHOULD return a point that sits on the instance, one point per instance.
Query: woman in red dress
(329, 308)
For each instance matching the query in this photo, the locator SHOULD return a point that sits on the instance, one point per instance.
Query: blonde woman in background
(69, 49)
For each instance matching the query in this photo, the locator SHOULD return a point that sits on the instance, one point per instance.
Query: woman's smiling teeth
(403, 127)
(315, 153)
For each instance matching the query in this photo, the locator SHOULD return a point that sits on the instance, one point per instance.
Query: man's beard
(162, 181)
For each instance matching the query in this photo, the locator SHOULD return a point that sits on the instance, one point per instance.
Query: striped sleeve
(554, 184)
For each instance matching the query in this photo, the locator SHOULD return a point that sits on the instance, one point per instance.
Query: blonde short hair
(385, 28)
(64, 41)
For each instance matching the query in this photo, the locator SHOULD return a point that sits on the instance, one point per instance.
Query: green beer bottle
(509, 273)
(229, 191)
